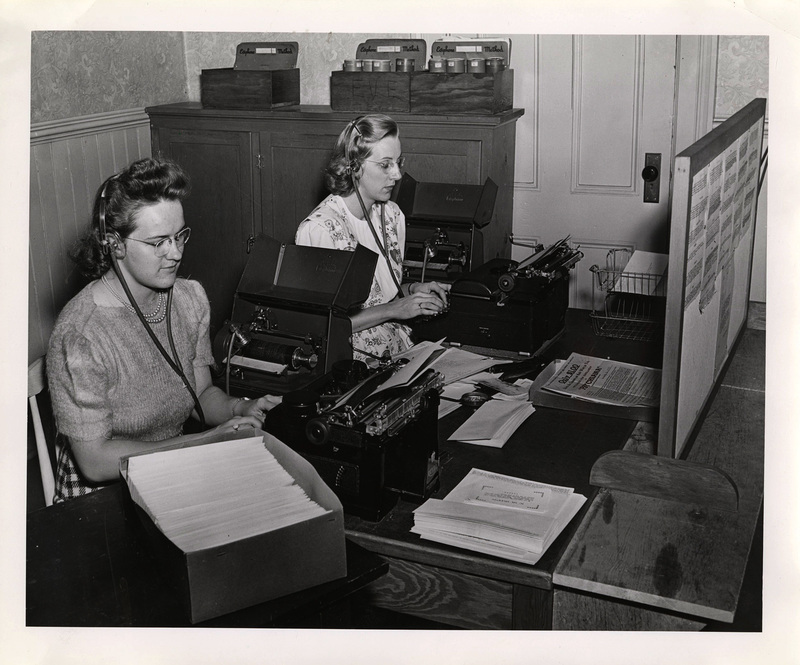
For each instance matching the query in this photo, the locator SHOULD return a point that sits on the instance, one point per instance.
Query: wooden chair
(46, 447)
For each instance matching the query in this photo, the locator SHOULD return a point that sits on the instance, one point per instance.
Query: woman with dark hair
(363, 169)
(129, 357)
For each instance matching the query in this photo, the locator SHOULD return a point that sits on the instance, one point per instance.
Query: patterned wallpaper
(317, 55)
(742, 73)
(75, 73)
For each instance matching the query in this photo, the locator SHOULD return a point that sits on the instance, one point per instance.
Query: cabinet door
(431, 158)
(219, 209)
(292, 165)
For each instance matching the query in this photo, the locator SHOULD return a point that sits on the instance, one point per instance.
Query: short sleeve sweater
(108, 379)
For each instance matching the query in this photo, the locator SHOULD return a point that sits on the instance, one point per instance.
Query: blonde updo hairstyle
(354, 145)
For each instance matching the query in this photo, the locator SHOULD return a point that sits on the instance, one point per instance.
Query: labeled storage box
(249, 89)
(423, 92)
(484, 94)
(222, 579)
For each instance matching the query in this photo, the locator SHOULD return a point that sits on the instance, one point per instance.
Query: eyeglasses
(387, 164)
(162, 247)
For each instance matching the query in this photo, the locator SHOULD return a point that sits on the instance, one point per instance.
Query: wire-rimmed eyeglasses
(387, 164)
(162, 247)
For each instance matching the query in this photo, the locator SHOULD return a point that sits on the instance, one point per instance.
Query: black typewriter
(290, 320)
(370, 444)
(508, 306)
(444, 227)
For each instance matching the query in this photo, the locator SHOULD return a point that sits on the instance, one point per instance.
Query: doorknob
(651, 174)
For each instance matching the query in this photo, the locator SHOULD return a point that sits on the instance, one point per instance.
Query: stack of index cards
(210, 495)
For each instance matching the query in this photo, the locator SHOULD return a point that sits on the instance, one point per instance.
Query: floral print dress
(331, 225)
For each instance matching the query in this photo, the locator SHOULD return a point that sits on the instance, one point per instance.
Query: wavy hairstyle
(143, 183)
(353, 146)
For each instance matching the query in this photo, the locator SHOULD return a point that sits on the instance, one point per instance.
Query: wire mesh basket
(627, 305)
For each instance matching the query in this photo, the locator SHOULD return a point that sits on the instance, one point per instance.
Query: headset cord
(368, 219)
(174, 364)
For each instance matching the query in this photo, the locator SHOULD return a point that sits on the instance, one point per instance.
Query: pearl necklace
(157, 316)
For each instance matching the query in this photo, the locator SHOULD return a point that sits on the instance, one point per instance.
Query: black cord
(368, 219)
(175, 365)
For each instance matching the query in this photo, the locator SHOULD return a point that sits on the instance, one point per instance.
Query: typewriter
(289, 323)
(370, 440)
(444, 222)
(515, 308)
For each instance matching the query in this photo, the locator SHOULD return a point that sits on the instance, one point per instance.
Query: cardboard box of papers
(278, 561)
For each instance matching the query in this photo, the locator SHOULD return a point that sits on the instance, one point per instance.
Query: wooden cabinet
(261, 172)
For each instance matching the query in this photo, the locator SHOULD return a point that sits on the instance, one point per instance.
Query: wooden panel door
(219, 209)
(597, 104)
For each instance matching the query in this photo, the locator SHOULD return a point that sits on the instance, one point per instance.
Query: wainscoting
(69, 160)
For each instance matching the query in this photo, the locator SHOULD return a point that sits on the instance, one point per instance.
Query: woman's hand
(439, 289)
(249, 413)
(418, 304)
(423, 299)
(255, 408)
(238, 423)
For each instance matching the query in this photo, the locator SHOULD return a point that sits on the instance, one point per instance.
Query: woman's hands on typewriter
(424, 299)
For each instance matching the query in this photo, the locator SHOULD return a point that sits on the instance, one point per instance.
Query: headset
(109, 247)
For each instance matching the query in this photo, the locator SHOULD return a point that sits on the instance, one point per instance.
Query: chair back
(46, 449)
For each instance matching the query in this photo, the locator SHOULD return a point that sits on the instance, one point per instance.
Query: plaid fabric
(70, 483)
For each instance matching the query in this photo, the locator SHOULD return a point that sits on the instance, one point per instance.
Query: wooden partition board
(712, 229)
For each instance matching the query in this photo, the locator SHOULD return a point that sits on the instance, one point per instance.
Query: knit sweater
(107, 378)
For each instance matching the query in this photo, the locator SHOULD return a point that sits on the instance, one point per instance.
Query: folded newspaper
(606, 381)
(508, 517)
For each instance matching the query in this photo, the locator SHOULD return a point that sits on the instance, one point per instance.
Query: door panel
(601, 103)
(440, 160)
(292, 179)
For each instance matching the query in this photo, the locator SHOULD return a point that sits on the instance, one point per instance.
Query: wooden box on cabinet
(382, 92)
(422, 92)
(249, 89)
(462, 93)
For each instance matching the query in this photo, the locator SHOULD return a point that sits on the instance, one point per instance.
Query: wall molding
(87, 125)
(706, 85)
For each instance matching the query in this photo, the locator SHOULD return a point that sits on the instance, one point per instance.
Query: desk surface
(672, 555)
(552, 446)
(89, 565)
(85, 550)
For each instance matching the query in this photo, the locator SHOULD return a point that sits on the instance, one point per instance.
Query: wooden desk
(470, 590)
(641, 563)
(89, 565)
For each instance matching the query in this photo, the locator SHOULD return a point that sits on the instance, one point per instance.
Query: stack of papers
(500, 515)
(456, 364)
(208, 495)
(493, 423)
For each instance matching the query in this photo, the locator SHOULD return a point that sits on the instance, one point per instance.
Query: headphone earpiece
(112, 243)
